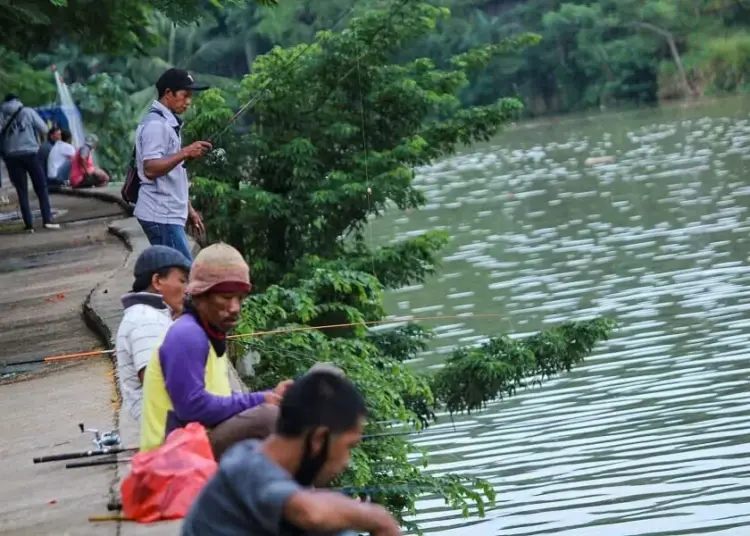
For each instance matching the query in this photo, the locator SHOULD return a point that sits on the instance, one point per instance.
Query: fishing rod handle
(76, 455)
(93, 463)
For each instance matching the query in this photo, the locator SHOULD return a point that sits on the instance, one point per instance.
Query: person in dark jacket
(21, 128)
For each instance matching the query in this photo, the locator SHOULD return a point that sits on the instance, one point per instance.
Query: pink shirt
(83, 163)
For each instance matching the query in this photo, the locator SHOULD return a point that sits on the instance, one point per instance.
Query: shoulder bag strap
(9, 123)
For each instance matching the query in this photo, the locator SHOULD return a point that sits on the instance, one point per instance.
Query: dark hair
(143, 281)
(320, 398)
(9, 97)
(65, 135)
(51, 131)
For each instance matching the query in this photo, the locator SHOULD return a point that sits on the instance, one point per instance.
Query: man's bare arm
(159, 167)
(324, 511)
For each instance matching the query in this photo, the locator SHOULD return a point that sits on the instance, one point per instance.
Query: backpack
(5, 129)
(132, 185)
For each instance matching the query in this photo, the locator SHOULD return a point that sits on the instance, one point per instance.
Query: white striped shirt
(142, 328)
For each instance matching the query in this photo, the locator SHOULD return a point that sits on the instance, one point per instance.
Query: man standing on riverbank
(163, 208)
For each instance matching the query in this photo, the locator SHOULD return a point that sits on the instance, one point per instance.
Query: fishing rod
(54, 358)
(262, 90)
(367, 437)
(280, 331)
(105, 443)
(85, 454)
(95, 463)
(116, 506)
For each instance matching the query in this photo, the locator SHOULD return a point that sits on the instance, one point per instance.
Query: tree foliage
(592, 53)
(107, 25)
(331, 142)
(36, 87)
(108, 111)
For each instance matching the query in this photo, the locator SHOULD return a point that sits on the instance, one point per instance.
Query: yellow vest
(157, 405)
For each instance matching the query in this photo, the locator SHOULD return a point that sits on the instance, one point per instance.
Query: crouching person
(265, 488)
(186, 379)
(160, 277)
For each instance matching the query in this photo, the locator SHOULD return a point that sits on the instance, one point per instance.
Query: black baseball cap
(177, 79)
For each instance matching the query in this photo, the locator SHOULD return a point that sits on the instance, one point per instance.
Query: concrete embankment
(54, 284)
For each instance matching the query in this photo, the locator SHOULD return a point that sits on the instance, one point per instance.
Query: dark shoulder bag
(4, 131)
(132, 185)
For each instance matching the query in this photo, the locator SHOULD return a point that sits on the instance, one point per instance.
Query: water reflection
(650, 437)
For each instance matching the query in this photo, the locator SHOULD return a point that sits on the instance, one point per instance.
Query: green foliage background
(592, 53)
(333, 143)
(332, 140)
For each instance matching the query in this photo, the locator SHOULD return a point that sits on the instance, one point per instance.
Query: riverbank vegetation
(332, 144)
(592, 54)
(332, 140)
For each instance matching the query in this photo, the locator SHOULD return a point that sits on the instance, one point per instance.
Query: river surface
(651, 435)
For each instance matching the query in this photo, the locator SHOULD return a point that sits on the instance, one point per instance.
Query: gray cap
(155, 258)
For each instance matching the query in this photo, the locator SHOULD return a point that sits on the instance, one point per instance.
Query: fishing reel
(216, 157)
(102, 440)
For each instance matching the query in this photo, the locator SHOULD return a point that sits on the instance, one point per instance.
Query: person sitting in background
(265, 488)
(187, 378)
(60, 160)
(83, 172)
(160, 278)
(53, 136)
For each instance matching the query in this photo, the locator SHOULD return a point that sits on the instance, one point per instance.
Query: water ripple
(650, 437)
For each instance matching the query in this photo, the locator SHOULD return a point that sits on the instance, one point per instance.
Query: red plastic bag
(163, 483)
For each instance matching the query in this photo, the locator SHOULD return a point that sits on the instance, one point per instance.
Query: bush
(333, 142)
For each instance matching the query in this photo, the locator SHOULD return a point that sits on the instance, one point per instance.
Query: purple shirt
(183, 355)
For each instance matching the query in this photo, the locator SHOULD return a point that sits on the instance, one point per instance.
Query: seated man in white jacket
(158, 296)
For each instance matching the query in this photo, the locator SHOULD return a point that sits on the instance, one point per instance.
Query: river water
(651, 436)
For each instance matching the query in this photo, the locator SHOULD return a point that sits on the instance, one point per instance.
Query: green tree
(34, 87)
(333, 141)
(109, 25)
(108, 111)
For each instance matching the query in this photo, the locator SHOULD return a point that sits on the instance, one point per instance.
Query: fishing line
(347, 73)
(114, 460)
(364, 148)
(287, 67)
(365, 323)
(281, 331)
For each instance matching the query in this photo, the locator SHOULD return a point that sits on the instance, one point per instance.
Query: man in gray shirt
(265, 488)
(163, 206)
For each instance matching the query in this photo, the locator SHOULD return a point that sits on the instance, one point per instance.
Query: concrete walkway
(45, 277)
(103, 311)
(49, 275)
(40, 418)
